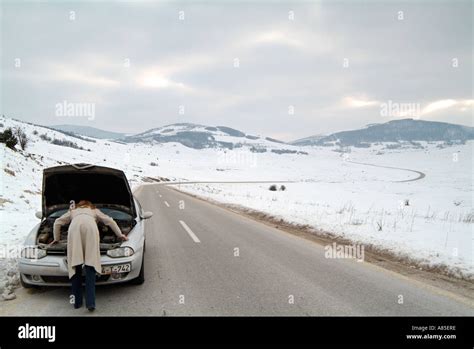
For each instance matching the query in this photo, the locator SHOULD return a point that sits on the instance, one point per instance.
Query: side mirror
(39, 214)
(146, 215)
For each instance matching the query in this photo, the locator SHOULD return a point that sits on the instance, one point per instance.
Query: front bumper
(52, 270)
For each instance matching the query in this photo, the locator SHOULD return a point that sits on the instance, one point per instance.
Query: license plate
(115, 269)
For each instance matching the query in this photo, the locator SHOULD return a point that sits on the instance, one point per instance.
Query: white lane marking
(166, 203)
(190, 232)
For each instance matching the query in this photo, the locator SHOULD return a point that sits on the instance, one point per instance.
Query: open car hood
(103, 186)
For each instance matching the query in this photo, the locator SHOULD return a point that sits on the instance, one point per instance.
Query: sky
(281, 69)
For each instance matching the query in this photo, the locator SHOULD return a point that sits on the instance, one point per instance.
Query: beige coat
(83, 240)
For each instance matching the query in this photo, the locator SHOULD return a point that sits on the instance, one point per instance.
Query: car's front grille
(63, 253)
(56, 252)
(65, 279)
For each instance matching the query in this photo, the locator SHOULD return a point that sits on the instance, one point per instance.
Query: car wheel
(140, 279)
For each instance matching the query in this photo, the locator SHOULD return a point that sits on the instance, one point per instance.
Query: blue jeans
(76, 281)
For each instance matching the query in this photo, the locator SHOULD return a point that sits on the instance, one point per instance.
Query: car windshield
(115, 214)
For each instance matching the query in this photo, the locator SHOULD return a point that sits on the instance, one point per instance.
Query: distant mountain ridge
(201, 136)
(89, 131)
(394, 131)
(191, 135)
(311, 140)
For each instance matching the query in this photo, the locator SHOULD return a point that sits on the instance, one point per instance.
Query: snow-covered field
(430, 219)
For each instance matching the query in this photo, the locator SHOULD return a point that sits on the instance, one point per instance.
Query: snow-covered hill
(89, 131)
(201, 137)
(311, 140)
(396, 131)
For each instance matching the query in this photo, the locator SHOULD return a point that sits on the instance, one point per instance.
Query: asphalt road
(205, 260)
(420, 174)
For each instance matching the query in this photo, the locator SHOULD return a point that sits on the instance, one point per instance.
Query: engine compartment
(108, 239)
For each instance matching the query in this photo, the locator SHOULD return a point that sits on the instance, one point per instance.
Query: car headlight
(33, 253)
(120, 252)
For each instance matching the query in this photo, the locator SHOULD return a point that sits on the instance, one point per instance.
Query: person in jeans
(83, 247)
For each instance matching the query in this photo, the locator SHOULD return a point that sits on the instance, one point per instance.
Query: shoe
(77, 306)
(91, 309)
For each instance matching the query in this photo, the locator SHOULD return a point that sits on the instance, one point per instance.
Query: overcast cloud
(334, 64)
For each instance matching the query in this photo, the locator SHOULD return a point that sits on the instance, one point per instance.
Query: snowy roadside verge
(439, 243)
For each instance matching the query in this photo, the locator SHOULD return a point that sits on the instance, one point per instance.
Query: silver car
(44, 265)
